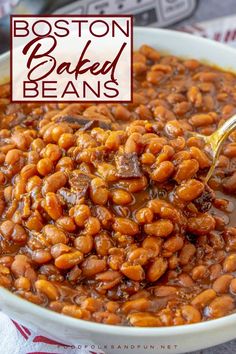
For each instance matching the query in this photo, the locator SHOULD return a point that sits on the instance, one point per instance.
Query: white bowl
(118, 339)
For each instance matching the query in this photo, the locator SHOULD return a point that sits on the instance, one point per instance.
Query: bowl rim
(25, 306)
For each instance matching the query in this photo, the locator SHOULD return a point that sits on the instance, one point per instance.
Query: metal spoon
(215, 141)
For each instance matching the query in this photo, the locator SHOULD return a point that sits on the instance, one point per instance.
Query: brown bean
(144, 319)
(125, 226)
(187, 253)
(141, 304)
(144, 216)
(153, 245)
(229, 264)
(52, 206)
(186, 170)
(134, 272)
(92, 266)
(47, 288)
(54, 182)
(204, 298)
(220, 306)
(138, 256)
(233, 286)
(81, 214)
(199, 272)
(201, 224)
(156, 269)
(160, 228)
(190, 314)
(200, 156)
(173, 244)
(121, 197)
(163, 171)
(164, 290)
(68, 260)
(190, 190)
(199, 120)
(221, 284)
(54, 235)
(45, 166)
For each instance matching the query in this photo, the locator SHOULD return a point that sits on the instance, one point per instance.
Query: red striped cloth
(16, 338)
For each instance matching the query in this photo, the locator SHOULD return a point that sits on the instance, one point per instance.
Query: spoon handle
(223, 132)
(216, 139)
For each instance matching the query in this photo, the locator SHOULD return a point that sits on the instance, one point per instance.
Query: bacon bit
(127, 165)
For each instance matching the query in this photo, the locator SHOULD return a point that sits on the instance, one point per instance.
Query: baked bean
(152, 245)
(52, 206)
(54, 235)
(65, 163)
(190, 314)
(185, 280)
(92, 266)
(45, 166)
(54, 182)
(173, 244)
(133, 143)
(229, 264)
(92, 305)
(190, 190)
(138, 256)
(92, 226)
(135, 184)
(233, 286)
(141, 304)
(220, 306)
(194, 96)
(125, 226)
(66, 223)
(199, 272)
(163, 209)
(134, 272)
(187, 253)
(34, 222)
(202, 224)
(163, 171)
(173, 128)
(144, 216)
(98, 191)
(221, 284)
(74, 311)
(81, 214)
(68, 260)
(121, 197)
(41, 256)
(107, 172)
(160, 228)
(52, 152)
(156, 269)
(204, 298)
(186, 170)
(199, 120)
(32, 183)
(149, 52)
(47, 288)
(144, 319)
(22, 283)
(200, 156)
(163, 291)
(13, 156)
(59, 249)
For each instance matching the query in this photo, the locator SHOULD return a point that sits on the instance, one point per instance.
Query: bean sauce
(104, 213)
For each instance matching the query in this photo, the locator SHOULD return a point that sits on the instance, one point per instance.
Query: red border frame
(131, 17)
